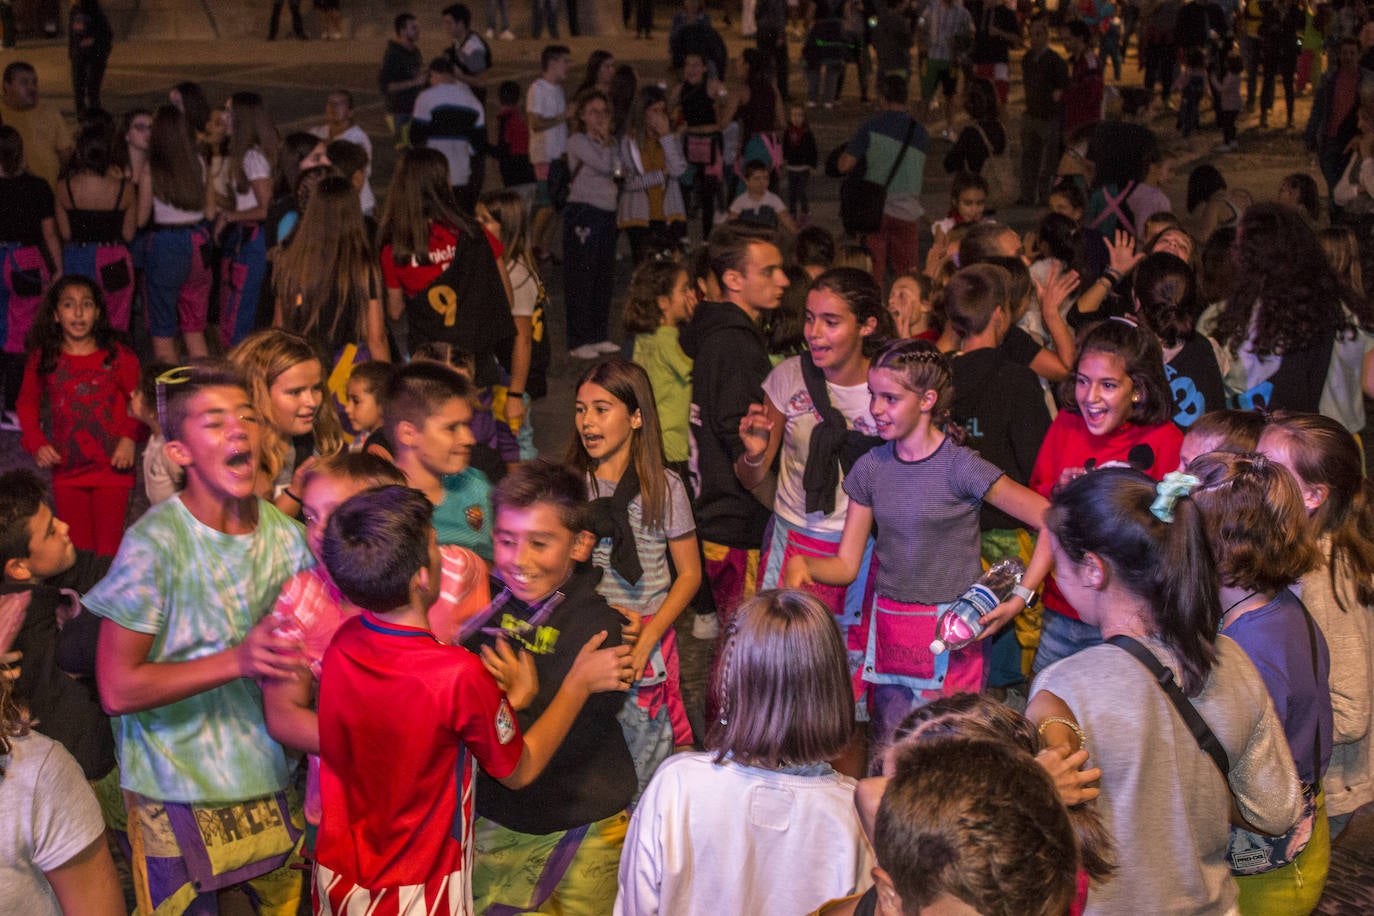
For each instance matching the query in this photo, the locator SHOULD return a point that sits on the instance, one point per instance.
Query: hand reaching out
(602, 670)
(267, 653)
(1122, 254)
(514, 672)
(755, 429)
(1055, 291)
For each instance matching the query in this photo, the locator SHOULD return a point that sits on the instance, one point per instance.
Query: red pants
(897, 241)
(94, 514)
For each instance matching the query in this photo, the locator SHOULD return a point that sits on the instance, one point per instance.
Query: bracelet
(1025, 594)
(753, 464)
(1111, 275)
(514, 394)
(1070, 724)
(287, 492)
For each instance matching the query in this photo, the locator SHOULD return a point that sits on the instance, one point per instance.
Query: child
(162, 477)
(968, 196)
(924, 493)
(814, 250)
(1116, 409)
(815, 415)
(1227, 88)
(55, 638)
(799, 158)
(909, 304)
(496, 447)
(1166, 301)
(1299, 191)
(1192, 87)
(352, 162)
(80, 372)
(1257, 527)
(181, 648)
(503, 214)
(789, 839)
(286, 381)
(660, 300)
(512, 151)
(552, 846)
(1221, 431)
(649, 556)
(758, 205)
(426, 415)
(1148, 197)
(1002, 409)
(363, 406)
(415, 764)
(1326, 461)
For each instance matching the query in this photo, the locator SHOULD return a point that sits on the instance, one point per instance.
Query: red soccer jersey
(404, 720)
(413, 278)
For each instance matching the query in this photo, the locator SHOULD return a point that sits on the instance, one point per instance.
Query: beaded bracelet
(1070, 724)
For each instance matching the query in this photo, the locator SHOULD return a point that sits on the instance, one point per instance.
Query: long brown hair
(420, 195)
(325, 277)
(177, 170)
(629, 384)
(252, 129)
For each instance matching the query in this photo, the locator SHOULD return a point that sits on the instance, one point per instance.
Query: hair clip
(176, 376)
(1124, 320)
(1168, 491)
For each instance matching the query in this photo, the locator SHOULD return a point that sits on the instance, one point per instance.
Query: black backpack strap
(1202, 732)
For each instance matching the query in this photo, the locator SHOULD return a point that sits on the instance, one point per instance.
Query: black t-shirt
(1195, 378)
(399, 65)
(1019, 347)
(591, 775)
(1118, 151)
(970, 152)
(1001, 407)
(27, 202)
(1044, 74)
(989, 48)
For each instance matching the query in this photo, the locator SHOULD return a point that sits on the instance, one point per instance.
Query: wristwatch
(1025, 594)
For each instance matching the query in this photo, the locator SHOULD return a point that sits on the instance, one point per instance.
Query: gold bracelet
(1069, 723)
(751, 464)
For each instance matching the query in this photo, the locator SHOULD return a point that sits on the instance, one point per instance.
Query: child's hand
(796, 574)
(123, 457)
(1055, 291)
(634, 625)
(755, 429)
(1073, 784)
(514, 672)
(298, 476)
(13, 608)
(602, 670)
(939, 248)
(997, 618)
(515, 411)
(266, 654)
(1069, 475)
(47, 457)
(1030, 245)
(639, 658)
(1122, 255)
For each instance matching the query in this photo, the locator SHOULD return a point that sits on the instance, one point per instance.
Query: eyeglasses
(177, 376)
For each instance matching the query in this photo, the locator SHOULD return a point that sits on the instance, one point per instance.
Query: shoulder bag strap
(897, 163)
(986, 142)
(1202, 732)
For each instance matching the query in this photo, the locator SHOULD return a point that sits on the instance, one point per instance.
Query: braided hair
(920, 367)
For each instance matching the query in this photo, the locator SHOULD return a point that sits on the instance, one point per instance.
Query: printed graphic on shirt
(505, 723)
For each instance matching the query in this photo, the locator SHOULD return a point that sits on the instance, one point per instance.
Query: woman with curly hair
(52, 851)
(1301, 334)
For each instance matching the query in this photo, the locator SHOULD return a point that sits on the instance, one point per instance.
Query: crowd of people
(367, 646)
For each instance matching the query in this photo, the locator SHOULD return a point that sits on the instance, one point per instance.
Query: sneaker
(9, 422)
(705, 626)
(586, 351)
(607, 346)
(508, 35)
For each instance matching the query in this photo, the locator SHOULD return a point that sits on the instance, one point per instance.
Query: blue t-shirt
(464, 517)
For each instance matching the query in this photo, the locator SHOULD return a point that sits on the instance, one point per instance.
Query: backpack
(999, 173)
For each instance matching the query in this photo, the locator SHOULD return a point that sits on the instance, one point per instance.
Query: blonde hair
(262, 357)
(782, 684)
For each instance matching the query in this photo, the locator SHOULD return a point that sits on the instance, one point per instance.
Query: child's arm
(519, 367)
(841, 569)
(54, 246)
(129, 683)
(291, 720)
(687, 562)
(375, 330)
(1053, 293)
(395, 303)
(1062, 756)
(28, 407)
(594, 671)
(123, 425)
(760, 431)
(1028, 507)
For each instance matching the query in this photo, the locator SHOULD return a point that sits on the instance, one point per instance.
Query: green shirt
(464, 517)
(198, 591)
(670, 372)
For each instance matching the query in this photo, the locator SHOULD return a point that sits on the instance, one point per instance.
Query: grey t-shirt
(1163, 799)
(648, 593)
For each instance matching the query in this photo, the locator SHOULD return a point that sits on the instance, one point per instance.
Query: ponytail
(1188, 611)
(1166, 296)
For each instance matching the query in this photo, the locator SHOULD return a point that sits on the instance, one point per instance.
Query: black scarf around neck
(834, 446)
(610, 518)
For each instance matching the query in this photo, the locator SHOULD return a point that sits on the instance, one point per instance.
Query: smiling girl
(647, 546)
(1117, 410)
(924, 491)
(85, 377)
(286, 381)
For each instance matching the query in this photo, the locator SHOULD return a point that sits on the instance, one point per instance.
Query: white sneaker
(490, 33)
(705, 626)
(508, 35)
(9, 422)
(586, 351)
(607, 346)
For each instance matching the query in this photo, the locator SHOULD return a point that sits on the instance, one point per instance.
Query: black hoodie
(730, 363)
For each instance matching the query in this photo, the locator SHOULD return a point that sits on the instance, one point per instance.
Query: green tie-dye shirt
(198, 591)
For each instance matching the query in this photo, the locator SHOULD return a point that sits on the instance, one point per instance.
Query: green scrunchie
(1167, 492)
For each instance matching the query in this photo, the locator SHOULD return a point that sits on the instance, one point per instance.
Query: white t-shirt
(710, 838)
(48, 814)
(355, 134)
(524, 287)
(255, 168)
(165, 214)
(787, 390)
(547, 100)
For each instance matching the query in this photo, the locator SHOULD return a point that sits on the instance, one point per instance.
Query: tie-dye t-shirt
(198, 591)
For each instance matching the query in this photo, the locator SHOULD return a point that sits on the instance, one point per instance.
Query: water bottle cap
(938, 646)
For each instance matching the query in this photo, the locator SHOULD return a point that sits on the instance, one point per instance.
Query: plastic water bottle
(962, 623)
